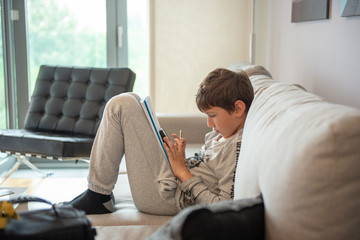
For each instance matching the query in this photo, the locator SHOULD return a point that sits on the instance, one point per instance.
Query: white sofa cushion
(126, 232)
(303, 154)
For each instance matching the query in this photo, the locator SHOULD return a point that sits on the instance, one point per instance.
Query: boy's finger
(169, 143)
(179, 141)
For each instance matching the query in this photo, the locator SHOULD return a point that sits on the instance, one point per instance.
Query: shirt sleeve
(195, 191)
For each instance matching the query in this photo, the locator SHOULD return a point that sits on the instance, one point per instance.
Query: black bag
(65, 222)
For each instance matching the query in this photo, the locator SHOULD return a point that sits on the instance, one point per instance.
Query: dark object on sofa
(65, 111)
(240, 219)
(246, 223)
(62, 223)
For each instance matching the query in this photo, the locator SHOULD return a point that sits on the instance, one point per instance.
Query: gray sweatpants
(124, 129)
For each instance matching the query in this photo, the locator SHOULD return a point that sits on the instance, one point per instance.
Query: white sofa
(299, 151)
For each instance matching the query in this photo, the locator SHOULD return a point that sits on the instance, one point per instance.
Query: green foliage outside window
(59, 36)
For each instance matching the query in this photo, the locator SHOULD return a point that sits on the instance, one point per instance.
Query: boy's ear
(240, 108)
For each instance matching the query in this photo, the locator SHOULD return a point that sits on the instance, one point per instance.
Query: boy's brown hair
(222, 88)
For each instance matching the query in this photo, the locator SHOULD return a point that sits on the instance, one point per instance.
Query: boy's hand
(176, 154)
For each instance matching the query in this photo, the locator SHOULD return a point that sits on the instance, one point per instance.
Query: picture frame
(350, 8)
(309, 10)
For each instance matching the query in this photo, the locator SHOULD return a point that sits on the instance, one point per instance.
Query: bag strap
(25, 199)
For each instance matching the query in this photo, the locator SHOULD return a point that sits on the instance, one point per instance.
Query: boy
(224, 96)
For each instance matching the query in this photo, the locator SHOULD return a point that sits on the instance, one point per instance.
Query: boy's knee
(124, 100)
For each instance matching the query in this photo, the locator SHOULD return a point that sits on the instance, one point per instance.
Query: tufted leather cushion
(73, 99)
(65, 110)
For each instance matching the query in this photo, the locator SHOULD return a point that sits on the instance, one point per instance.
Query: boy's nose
(210, 123)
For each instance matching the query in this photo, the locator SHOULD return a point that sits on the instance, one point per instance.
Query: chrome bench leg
(25, 160)
(10, 171)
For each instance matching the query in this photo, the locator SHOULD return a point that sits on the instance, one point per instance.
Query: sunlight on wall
(188, 40)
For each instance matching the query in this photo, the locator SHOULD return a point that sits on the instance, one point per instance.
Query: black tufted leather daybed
(65, 111)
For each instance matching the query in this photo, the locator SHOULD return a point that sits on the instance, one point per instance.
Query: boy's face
(223, 122)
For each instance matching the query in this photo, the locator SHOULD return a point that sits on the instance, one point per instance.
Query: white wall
(323, 55)
(190, 38)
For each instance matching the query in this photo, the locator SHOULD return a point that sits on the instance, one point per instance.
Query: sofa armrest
(193, 126)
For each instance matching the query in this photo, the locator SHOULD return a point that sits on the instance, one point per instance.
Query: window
(138, 44)
(66, 32)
